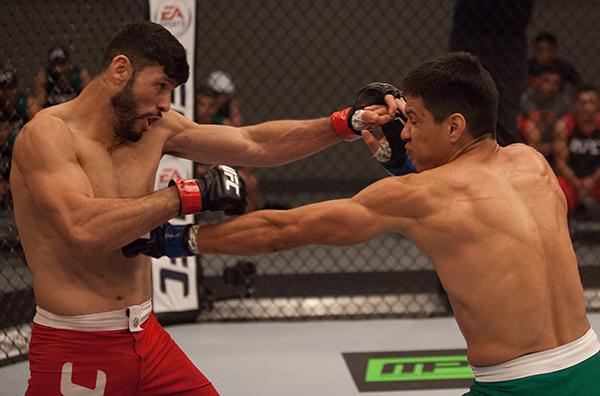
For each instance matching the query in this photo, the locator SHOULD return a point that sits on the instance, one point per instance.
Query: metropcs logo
(409, 370)
(175, 15)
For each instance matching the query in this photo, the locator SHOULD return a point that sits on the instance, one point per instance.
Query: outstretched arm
(390, 205)
(278, 142)
(267, 144)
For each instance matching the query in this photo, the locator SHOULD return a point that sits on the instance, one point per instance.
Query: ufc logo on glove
(233, 182)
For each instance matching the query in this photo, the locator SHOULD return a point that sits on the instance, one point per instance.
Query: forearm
(285, 141)
(106, 224)
(334, 223)
(256, 233)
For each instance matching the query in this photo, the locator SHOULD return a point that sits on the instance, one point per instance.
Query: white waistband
(542, 362)
(128, 318)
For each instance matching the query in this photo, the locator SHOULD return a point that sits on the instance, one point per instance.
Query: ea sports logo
(174, 15)
(167, 174)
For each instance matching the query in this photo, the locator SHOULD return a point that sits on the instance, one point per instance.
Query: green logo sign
(418, 368)
(409, 370)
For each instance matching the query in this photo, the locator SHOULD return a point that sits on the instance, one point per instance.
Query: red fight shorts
(125, 352)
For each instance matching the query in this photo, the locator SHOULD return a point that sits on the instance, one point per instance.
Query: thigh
(72, 362)
(166, 370)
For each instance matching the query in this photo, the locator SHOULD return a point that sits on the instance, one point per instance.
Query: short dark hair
(205, 90)
(456, 83)
(588, 88)
(545, 37)
(147, 43)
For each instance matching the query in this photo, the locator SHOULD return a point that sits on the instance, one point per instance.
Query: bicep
(339, 223)
(209, 144)
(389, 205)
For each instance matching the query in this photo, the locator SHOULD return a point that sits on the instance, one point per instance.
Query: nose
(405, 133)
(164, 105)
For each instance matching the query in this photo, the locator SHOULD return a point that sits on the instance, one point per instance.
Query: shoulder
(521, 149)
(407, 196)
(47, 124)
(43, 131)
(524, 158)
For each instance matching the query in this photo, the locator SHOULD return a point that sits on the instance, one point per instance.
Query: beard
(125, 114)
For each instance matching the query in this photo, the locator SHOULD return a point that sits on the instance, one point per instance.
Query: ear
(121, 69)
(457, 125)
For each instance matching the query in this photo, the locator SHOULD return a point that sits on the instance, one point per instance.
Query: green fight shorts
(583, 379)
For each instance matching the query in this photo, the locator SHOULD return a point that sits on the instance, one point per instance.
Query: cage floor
(295, 358)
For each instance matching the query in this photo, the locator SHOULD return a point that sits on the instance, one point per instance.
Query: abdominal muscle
(69, 286)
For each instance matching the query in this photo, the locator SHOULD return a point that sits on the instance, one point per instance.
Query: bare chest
(122, 173)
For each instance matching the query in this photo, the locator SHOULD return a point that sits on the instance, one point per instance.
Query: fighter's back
(503, 253)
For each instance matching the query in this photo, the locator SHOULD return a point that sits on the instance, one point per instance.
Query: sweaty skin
(491, 219)
(80, 194)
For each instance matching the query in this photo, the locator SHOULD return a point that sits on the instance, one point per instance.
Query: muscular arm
(267, 144)
(390, 205)
(45, 156)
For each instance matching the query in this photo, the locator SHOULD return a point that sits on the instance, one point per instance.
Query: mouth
(152, 120)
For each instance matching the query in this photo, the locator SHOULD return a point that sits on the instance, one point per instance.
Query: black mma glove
(392, 152)
(166, 240)
(220, 189)
(347, 123)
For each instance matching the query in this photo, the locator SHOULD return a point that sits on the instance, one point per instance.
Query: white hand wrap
(384, 152)
(192, 243)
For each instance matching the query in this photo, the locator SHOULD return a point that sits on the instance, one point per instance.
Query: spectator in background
(541, 106)
(206, 105)
(215, 104)
(578, 153)
(545, 53)
(228, 108)
(16, 108)
(6, 142)
(495, 31)
(60, 81)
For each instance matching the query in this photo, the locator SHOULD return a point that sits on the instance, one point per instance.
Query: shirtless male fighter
(82, 180)
(493, 220)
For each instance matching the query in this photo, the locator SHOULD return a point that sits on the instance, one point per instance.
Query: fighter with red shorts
(82, 181)
(124, 352)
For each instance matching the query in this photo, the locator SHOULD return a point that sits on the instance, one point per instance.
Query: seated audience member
(6, 142)
(60, 81)
(206, 105)
(545, 53)
(578, 153)
(228, 107)
(16, 108)
(541, 106)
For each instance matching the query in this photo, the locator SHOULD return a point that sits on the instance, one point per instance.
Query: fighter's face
(426, 141)
(141, 102)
